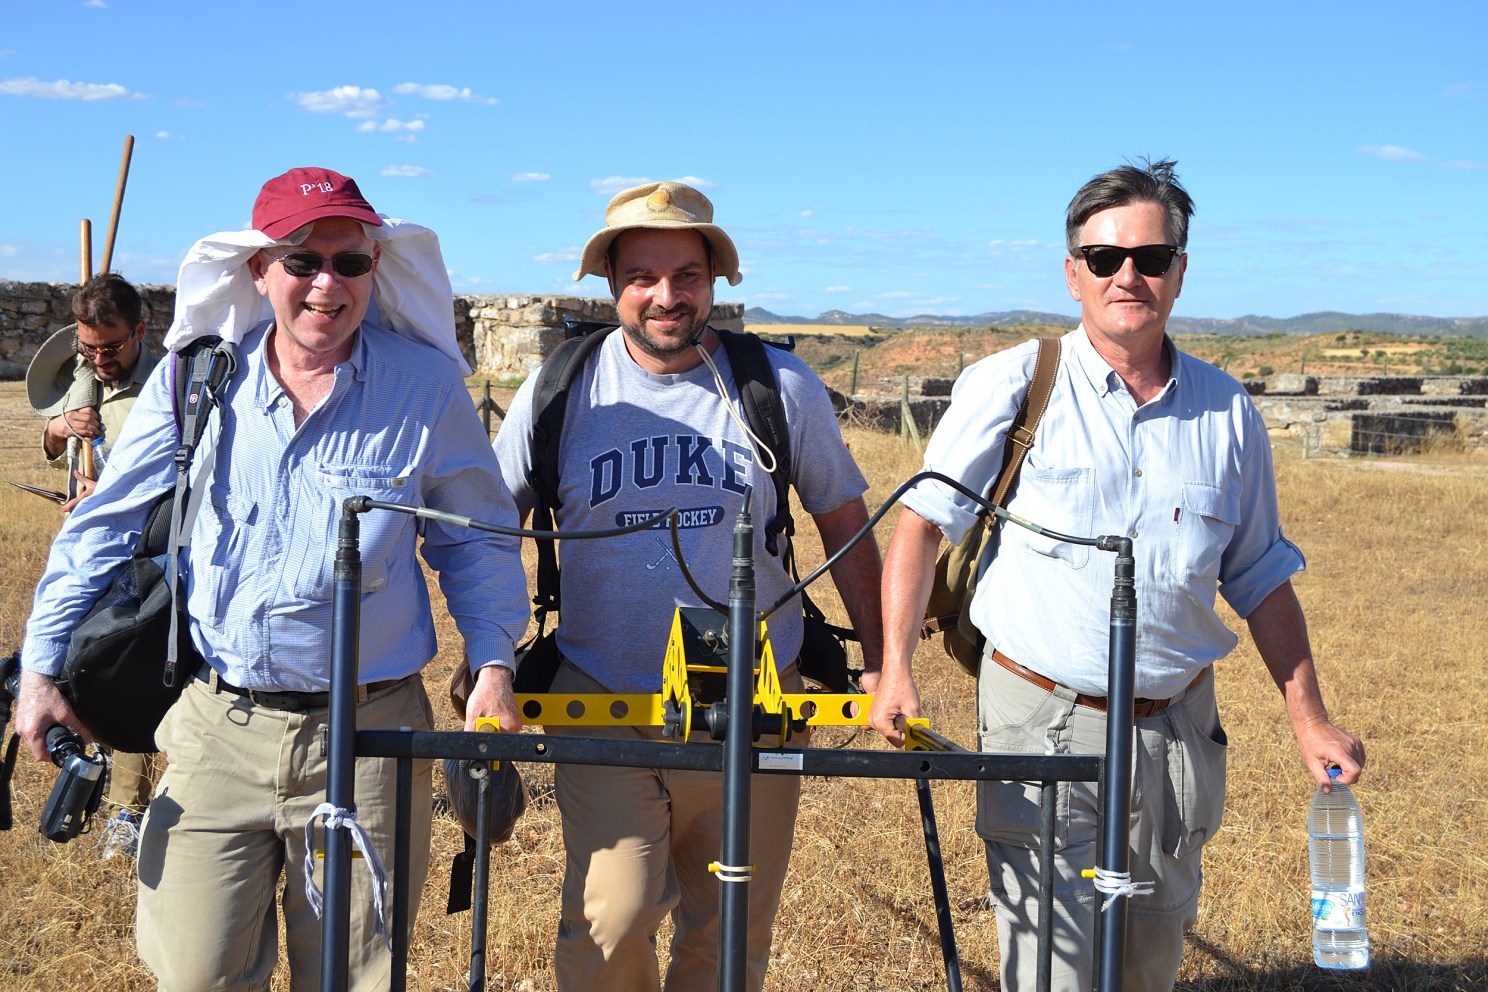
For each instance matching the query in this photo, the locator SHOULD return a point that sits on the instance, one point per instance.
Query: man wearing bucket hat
(86, 377)
(646, 427)
(326, 402)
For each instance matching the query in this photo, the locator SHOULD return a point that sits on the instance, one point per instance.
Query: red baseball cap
(300, 196)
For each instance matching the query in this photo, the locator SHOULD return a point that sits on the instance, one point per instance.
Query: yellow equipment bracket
(676, 704)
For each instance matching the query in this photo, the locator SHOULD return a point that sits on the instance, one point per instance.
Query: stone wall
(31, 311)
(1357, 414)
(503, 336)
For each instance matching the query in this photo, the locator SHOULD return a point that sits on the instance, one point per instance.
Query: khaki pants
(1178, 786)
(228, 821)
(638, 842)
(131, 780)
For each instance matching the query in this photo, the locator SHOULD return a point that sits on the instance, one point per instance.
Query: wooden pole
(108, 246)
(85, 257)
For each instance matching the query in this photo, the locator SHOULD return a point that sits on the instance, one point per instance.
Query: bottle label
(1334, 910)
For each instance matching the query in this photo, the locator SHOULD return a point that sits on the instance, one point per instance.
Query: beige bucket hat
(662, 206)
(50, 374)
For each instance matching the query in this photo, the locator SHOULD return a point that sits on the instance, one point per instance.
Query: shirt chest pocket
(386, 538)
(1061, 499)
(1210, 515)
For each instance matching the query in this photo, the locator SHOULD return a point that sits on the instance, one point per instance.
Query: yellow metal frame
(675, 703)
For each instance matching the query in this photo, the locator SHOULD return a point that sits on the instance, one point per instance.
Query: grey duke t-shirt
(635, 443)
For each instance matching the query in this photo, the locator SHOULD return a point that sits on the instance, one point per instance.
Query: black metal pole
(402, 871)
(480, 905)
(1115, 854)
(1044, 975)
(942, 895)
(734, 865)
(346, 625)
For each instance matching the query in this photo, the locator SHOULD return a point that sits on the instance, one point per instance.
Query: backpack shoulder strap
(1025, 424)
(549, 410)
(760, 393)
(198, 373)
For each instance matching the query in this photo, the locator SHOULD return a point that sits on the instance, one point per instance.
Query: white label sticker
(1338, 910)
(780, 760)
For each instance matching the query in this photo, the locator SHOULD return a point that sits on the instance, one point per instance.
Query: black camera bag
(131, 654)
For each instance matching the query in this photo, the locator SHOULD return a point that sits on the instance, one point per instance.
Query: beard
(674, 342)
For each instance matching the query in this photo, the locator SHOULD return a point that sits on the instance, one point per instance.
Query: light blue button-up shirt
(1188, 476)
(398, 425)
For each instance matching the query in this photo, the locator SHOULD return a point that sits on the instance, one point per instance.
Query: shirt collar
(1104, 379)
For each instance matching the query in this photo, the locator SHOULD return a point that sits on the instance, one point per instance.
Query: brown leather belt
(1141, 708)
(279, 699)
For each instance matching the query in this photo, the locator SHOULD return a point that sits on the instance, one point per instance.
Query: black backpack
(823, 652)
(131, 655)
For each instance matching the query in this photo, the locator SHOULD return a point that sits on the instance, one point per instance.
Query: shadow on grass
(1386, 974)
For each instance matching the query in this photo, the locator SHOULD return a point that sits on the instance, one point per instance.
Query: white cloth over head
(411, 292)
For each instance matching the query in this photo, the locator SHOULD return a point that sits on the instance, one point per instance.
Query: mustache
(678, 310)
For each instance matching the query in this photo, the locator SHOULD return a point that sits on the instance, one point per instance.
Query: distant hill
(1308, 323)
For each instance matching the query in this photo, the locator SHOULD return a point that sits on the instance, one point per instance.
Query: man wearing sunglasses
(326, 402)
(86, 377)
(1139, 440)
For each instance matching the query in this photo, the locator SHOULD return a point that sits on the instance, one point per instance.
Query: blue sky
(901, 158)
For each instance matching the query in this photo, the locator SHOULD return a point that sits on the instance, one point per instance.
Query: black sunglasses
(1106, 260)
(303, 264)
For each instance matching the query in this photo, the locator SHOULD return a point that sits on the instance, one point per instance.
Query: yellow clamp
(488, 725)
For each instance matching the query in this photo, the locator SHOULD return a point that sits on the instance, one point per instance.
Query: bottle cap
(1334, 772)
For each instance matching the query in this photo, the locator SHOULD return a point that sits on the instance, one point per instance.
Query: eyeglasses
(304, 264)
(1106, 260)
(93, 354)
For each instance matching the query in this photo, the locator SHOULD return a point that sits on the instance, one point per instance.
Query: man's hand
(85, 487)
(84, 423)
(1323, 744)
(492, 697)
(40, 708)
(894, 699)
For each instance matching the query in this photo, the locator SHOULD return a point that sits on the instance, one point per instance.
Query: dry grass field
(1399, 562)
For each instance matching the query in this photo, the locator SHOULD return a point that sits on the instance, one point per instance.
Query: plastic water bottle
(1335, 848)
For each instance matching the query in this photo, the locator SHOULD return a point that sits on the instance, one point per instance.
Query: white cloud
(1465, 164)
(353, 101)
(563, 256)
(804, 213)
(611, 185)
(406, 139)
(94, 3)
(391, 125)
(442, 91)
(838, 289)
(1392, 153)
(897, 294)
(696, 183)
(6, 53)
(167, 136)
(408, 171)
(9, 251)
(64, 89)
(531, 177)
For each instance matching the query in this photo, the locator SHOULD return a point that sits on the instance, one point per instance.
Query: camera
(83, 776)
(79, 787)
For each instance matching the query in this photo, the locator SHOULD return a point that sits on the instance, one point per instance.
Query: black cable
(904, 487)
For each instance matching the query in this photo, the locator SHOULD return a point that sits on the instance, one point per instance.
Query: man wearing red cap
(325, 403)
